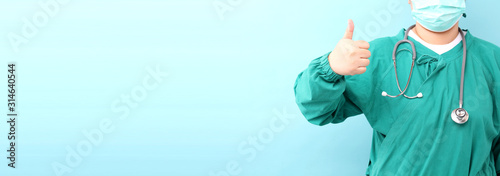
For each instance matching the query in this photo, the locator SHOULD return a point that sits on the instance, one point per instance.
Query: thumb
(349, 32)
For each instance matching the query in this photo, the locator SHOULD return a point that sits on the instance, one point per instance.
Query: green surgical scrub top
(415, 136)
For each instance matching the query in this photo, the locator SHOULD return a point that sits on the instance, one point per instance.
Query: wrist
(327, 71)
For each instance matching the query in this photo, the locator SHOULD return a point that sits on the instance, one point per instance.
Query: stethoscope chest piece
(460, 116)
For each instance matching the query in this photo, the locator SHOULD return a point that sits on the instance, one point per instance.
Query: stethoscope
(458, 115)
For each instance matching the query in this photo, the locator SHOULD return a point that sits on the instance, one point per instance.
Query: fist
(350, 57)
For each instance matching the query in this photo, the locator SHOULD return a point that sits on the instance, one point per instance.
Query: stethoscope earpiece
(384, 93)
(420, 95)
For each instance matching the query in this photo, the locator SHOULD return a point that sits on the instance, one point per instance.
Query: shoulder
(383, 47)
(483, 45)
(483, 51)
(380, 60)
(485, 54)
(381, 42)
(381, 50)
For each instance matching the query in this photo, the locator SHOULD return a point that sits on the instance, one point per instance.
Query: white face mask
(438, 15)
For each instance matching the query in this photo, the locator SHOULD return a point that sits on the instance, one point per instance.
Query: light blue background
(228, 79)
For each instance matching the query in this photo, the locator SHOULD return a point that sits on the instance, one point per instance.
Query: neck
(436, 38)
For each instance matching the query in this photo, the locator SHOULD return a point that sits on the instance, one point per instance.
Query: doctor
(410, 94)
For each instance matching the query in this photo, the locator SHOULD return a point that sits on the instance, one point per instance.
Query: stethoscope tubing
(459, 115)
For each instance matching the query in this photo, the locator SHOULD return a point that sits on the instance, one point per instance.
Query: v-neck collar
(453, 54)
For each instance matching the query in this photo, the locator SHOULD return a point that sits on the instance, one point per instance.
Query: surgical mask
(438, 15)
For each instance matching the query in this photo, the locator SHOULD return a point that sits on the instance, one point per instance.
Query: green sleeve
(319, 93)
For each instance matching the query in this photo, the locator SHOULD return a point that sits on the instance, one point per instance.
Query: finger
(349, 32)
(363, 53)
(360, 70)
(362, 44)
(363, 62)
